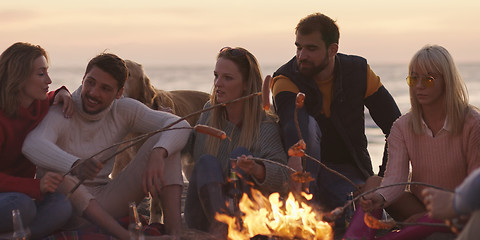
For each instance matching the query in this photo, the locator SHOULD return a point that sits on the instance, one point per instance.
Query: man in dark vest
(337, 87)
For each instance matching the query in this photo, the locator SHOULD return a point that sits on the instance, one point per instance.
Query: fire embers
(275, 219)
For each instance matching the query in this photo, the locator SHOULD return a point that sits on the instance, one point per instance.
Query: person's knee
(63, 206)
(207, 163)
(207, 170)
(26, 205)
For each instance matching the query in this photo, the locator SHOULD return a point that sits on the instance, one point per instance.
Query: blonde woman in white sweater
(103, 118)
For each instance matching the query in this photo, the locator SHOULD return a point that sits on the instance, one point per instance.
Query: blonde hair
(434, 58)
(16, 66)
(253, 112)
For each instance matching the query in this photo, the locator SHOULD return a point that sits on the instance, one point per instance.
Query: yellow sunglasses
(427, 81)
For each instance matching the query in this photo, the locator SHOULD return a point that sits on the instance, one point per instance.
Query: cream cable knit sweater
(56, 143)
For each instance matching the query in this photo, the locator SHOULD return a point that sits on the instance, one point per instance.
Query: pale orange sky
(191, 32)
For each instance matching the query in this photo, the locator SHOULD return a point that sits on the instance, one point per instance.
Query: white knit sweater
(57, 142)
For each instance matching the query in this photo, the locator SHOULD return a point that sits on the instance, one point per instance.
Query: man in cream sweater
(103, 118)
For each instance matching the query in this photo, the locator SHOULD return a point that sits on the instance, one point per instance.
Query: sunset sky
(191, 32)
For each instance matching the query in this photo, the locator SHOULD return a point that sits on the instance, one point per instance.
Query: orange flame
(271, 217)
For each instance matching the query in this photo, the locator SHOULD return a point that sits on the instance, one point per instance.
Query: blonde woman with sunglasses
(439, 138)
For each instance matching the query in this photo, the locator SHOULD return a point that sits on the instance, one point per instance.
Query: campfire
(273, 217)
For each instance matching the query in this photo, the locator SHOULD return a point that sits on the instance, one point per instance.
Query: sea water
(201, 78)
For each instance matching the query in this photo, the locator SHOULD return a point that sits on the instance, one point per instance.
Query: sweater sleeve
(40, 144)
(467, 195)
(398, 164)
(28, 186)
(271, 148)
(384, 111)
(472, 123)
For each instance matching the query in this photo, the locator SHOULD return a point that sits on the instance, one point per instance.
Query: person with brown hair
(252, 131)
(24, 102)
(337, 89)
(103, 118)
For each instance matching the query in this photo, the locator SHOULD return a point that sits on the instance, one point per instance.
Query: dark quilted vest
(343, 134)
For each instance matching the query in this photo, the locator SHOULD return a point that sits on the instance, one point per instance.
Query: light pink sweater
(443, 160)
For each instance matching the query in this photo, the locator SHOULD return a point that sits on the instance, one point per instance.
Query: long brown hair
(16, 66)
(252, 107)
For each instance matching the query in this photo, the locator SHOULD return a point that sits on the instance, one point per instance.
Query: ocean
(201, 78)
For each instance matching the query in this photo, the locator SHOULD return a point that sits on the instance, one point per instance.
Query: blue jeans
(329, 190)
(207, 170)
(41, 217)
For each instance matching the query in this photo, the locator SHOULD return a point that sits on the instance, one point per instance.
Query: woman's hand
(63, 96)
(371, 202)
(251, 167)
(50, 182)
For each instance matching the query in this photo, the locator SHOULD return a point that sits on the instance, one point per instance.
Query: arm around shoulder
(40, 144)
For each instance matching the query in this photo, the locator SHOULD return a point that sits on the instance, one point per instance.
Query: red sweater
(16, 171)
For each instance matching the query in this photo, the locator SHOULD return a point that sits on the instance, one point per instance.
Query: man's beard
(314, 69)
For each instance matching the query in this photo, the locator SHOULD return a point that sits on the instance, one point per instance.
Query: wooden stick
(400, 184)
(134, 141)
(149, 134)
(332, 171)
(269, 161)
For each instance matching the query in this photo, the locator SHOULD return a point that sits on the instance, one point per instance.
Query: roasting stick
(333, 171)
(149, 134)
(375, 223)
(104, 160)
(299, 148)
(335, 213)
(269, 161)
(134, 141)
(266, 105)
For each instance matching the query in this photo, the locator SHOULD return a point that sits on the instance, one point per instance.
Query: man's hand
(50, 182)
(63, 96)
(87, 168)
(154, 171)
